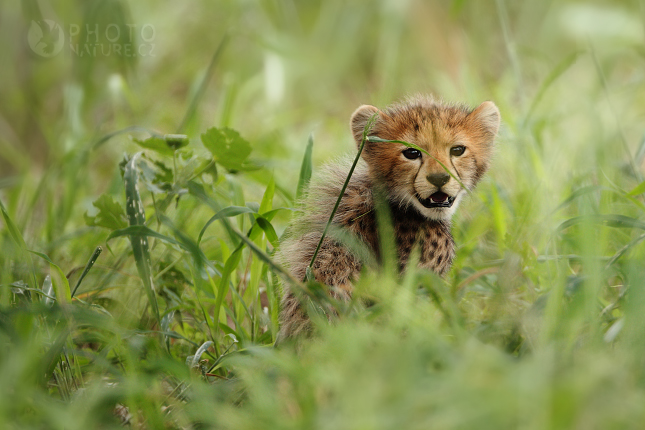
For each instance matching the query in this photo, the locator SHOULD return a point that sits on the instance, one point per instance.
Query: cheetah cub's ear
(485, 121)
(359, 120)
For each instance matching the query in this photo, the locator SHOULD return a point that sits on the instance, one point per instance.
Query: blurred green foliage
(539, 325)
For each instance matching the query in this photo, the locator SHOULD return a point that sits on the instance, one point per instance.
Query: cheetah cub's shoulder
(422, 195)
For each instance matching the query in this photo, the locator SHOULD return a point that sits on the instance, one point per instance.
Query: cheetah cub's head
(458, 137)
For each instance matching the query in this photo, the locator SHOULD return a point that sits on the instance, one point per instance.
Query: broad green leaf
(157, 177)
(111, 214)
(227, 146)
(306, 168)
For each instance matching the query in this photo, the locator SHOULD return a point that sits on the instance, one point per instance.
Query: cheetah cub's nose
(438, 179)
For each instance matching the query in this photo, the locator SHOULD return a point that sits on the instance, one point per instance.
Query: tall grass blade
(605, 86)
(366, 130)
(306, 168)
(559, 69)
(136, 217)
(88, 267)
(267, 198)
(14, 232)
(268, 261)
(202, 86)
(231, 263)
(17, 238)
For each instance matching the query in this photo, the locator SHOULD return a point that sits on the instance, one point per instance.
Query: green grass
(539, 324)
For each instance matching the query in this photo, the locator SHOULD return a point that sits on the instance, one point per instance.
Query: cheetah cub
(422, 195)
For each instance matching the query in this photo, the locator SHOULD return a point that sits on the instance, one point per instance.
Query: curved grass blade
(136, 217)
(59, 281)
(418, 148)
(224, 213)
(88, 266)
(624, 249)
(613, 220)
(639, 189)
(109, 136)
(580, 192)
(306, 168)
(142, 231)
(269, 231)
(200, 351)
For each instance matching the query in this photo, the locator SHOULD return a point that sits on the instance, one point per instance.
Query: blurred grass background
(538, 326)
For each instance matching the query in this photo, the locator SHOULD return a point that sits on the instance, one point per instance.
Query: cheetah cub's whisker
(423, 196)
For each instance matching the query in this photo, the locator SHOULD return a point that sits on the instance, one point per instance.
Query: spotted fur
(434, 126)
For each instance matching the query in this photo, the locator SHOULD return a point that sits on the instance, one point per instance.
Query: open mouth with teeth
(437, 200)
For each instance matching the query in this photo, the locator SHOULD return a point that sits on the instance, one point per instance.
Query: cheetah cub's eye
(412, 153)
(456, 151)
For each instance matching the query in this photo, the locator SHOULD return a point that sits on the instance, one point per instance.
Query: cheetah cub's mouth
(437, 200)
